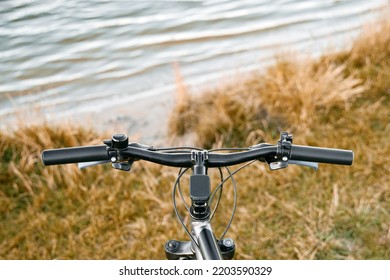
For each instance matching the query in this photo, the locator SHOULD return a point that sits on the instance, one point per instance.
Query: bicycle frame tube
(208, 248)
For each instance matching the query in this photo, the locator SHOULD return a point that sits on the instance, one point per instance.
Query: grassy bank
(339, 100)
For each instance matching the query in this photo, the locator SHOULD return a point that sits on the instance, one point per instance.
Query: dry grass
(63, 213)
(340, 100)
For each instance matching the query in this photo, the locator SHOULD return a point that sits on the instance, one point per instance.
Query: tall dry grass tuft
(292, 93)
(301, 91)
(373, 46)
(369, 55)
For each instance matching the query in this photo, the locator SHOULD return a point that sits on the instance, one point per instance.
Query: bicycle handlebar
(184, 159)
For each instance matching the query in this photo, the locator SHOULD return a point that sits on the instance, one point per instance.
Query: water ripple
(70, 52)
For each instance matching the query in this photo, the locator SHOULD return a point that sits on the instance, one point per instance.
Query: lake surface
(67, 57)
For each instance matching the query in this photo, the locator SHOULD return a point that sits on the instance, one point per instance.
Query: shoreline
(144, 120)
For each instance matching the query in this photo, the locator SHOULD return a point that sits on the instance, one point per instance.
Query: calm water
(70, 56)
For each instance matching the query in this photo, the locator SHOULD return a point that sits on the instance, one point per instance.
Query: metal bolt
(173, 245)
(228, 243)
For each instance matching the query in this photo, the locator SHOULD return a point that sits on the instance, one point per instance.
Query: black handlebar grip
(322, 155)
(75, 155)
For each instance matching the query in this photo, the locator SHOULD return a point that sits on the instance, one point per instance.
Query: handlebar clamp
(199, 157)
(283, 152)
(284, 146)
(118, 143)
(199, 160)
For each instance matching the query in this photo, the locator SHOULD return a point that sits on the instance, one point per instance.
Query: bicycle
(203, 244)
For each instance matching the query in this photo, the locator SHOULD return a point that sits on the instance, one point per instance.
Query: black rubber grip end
(74, 155)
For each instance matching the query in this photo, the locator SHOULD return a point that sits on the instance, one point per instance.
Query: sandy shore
(144, 120)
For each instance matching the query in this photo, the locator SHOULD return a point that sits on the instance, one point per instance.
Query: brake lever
(275, 165)
(83, 165)
(313, 165)
(124, 166)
